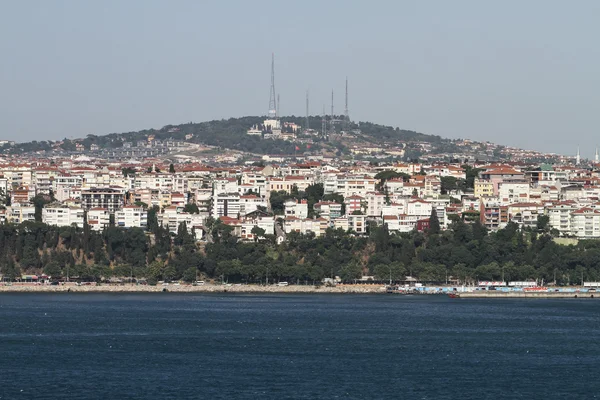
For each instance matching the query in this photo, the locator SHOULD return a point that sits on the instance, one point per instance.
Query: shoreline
(291, 289)
(72, 288)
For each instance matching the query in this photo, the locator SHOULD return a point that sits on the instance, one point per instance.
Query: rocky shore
(72, 288)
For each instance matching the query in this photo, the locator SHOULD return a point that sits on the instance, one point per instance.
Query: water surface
(193, 346)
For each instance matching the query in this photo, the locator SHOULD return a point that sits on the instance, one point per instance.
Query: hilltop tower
(596, 156)
(331, 103)
(331, 121)
(307, 112)
(346, 115)
(324, 123)
(272, 98)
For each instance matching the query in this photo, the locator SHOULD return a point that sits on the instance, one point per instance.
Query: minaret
(578, 158)
(596, 156)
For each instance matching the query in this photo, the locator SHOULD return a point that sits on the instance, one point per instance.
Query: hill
(232, 134)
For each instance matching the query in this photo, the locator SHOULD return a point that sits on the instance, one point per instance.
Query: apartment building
(63, 216)
(98, 218)
(131, 217)
(112, 199)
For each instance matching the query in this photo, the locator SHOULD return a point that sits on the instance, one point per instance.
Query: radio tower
(278, 106)
(331, 121)
(346, 115)
(331, 103)
(272, 101)
(324, 123)
(307, 114)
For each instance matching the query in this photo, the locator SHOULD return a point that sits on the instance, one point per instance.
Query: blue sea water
(190, 346)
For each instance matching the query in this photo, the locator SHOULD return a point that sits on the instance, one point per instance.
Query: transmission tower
(331, 103)
(307, 113)
(324, 123)
(272, 101)
(278, 106)
(346, 115)
(332, 120)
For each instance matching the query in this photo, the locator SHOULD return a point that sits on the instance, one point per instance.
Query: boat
(454, 295)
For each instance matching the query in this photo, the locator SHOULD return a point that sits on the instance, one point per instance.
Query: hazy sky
(523, 72)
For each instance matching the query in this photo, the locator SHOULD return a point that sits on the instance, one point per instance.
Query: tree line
(462, 254)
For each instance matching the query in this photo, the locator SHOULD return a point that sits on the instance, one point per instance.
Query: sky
(520, 73)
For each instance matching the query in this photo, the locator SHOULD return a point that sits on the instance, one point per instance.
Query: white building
(98, 218)
(525, 214)
(560, 216)
(226, 205)
(328, 209)
(293, 208)
(585, 223)
(131, 217)
(513, 192)
(17, 214)
(63, 216)
(419, 208)
(375, 202)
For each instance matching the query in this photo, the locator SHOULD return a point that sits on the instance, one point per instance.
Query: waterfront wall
(192, 289)
(530, 295)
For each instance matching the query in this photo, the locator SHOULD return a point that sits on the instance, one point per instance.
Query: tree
(171, 168)
(351, 271)
(191, 208)
(448, 184)
(190, 274)
(152, 218)
(543, 223)
(128, 171)
(39, 201)
(471, 173)
(394, 271)
(276, 199)
(434, 223)
(257, 232)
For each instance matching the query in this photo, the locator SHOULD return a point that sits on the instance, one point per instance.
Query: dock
(530, 295)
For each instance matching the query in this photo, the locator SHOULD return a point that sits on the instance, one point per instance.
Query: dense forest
(464, 253)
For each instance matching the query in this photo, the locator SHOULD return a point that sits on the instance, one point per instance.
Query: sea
(311, 346)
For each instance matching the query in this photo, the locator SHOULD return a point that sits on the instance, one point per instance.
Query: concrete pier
(72, 288)
(529, 295)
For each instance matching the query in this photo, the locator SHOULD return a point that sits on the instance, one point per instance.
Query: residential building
(62, 216)
(110, 198)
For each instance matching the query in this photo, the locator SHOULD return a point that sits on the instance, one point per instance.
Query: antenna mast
(272, 100)
(331, 103)
(307, 113)
(346, 115)
(331, 121)
(324, 123)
